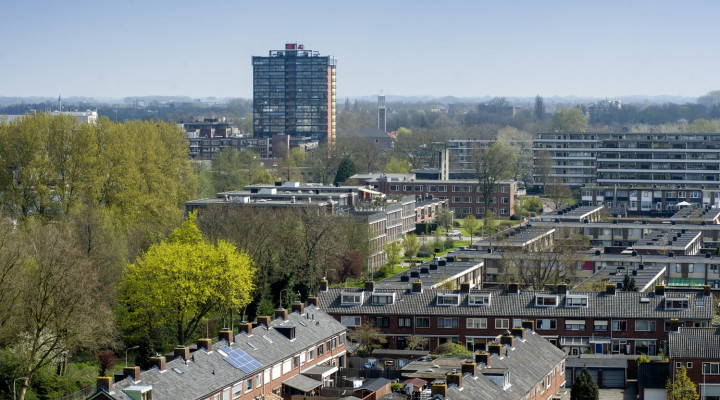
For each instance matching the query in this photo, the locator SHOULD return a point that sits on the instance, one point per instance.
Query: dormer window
(383, 298)
(576, 301)
(448, 299)
(677, 303)
(351, 298)
(546, 300)
(479, 299)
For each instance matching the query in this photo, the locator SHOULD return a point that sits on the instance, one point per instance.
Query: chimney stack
(527, 324)
(204, 343)
(264, 320)
(454, 378)
(465, 287)
(674, 325)
(610, 289)
(313, 301)
(495, 348)
(483, 358)
(158, 362)
(298, 307)
(417, 287)
(132, 372)
(507, 338)
(519, 332)
(226, 335)
(246, 327)
(562, 288)
(369, 286)
(104, 383)
(659, 290)
(324, 285)
(513, 288)
(182, 351)
(281, 313)
(706, 290)
(440, 389)
(469, 368)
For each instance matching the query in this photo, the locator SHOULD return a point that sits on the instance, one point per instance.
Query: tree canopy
(573, 120)
(584, 387)
(681, 387)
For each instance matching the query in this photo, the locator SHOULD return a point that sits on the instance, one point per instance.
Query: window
(351, 298)
(407, 188)
(296, 362)
(341, 339)
(505, 200)
(448, 299)
(447, 323)
(418, 188)
(689, 365)
(644, 326)
(547, 381)
(502, 323)
(237, 390)
(479, 299)
(505, 189)
(576, 301)
(503, 211)
(711, 368)
(574, 324)
(258, 380)
(422, 322)
(311, 354)
(432, 188)
(351, 320)
(394, 188)
(476, 323)
(404, 322)
(676, 303)
(320, 350)
(442, 188)
(457, 189)
(248, 385)
(545, 300)
(601, 325)
(334, 343)
(545, 324)
(380, 322)
(619, 326)
(382, 299)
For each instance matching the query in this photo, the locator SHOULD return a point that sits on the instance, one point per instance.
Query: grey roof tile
(695, 343)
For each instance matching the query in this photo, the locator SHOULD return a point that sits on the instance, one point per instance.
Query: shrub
(449, 242)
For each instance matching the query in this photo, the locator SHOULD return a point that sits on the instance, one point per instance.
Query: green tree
(702, 126)
(397, 166)
(472, 226)
(415, 342)
(177, 282)
(452, 350)
(392, 254)
(411, 245)
(345, 170)
(681, 387)
(492, 165)
(539, 108)
(573, 120)
(584, 387)
(368, 338)
(444, 218)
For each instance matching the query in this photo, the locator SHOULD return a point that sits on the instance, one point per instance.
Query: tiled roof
(695, 343)
(600, 305)
(207, 373)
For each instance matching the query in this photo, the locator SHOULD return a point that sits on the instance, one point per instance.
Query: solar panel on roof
(240, 359)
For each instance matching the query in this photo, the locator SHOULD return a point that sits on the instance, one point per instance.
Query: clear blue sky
(606, 48)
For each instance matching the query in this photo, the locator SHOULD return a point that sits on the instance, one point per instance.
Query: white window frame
(483, 299)
(500, 325)
(346, 320)
(445, 296)
(541, 299)
(476, 323)
(357, 298)
(571, 300)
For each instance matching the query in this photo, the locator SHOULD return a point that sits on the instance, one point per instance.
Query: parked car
(454, 232)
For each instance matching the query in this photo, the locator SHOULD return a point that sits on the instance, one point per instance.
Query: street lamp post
(126, 352)
(16, 379)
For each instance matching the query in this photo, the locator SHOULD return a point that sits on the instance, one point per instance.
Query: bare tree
(491, 166)
(559, 194)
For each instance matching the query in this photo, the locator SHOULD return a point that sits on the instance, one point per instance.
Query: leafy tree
(411, 245)
(471, 225)
(177, 282)
(539, 108)
(397, 166)
(345, 170)
(584, 387)
(444, 218)
(349, 265)
(324, 163)
(572, 120)
(368, 338)
(702, 125)
(682, 387)
(452, 350)
(415, 342)
(106, 359)
(492, 165)
(392, 253)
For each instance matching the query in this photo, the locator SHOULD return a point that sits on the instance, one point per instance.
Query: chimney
(440, 389)
(281, 313)
(674, 325)
(465, 287)
(527, 324)
(369, 286)
(454, 378)
(158, 362)
(104, 383)
(264, 320)
(204, 343)
(495, 348)
(469, 368)
(132, 372)
(324, 285)
(483, 358)
(519, 333)
(513, 288)
(246, 327)
(226, 335)
(610, 289)
(659, 290)
(417, 287)
(298, 307)
(507, 338)
(183, 352)
(562, 288)
(313, 301)
(706, 290)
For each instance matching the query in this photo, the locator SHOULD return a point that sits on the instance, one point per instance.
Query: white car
(454, 232)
